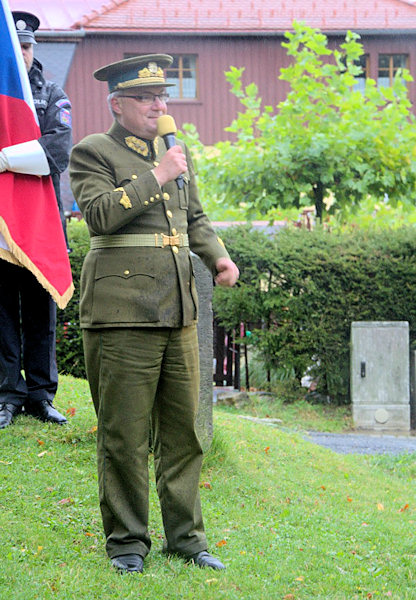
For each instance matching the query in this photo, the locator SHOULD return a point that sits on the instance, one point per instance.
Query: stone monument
(204, 286)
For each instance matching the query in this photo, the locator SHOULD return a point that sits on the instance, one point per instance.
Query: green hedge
(299, 292)
(69, 352)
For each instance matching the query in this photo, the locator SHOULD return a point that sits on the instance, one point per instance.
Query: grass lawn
(290, 519)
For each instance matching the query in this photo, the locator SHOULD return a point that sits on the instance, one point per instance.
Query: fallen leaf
(349, 499)
(323, 487)
(40, 442)
(211, 581)
(300, 578)
(71, 411)
(267, 449)
(380, 506)
(42, 453)
(65, 501)
(206, 485)
(93, 429)
(221, 543)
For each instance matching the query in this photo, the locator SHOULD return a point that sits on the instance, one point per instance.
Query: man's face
(137, 117)
(27, 51)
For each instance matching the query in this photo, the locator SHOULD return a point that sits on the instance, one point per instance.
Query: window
(182, 72)
(364, 63)
(388, 65)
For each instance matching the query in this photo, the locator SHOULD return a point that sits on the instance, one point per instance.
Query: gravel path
(352, 443)
(363, 443)
(342, 443)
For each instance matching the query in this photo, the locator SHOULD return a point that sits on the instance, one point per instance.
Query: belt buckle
(170, 240)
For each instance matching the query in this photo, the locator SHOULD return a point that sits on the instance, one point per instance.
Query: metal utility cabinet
(380, 389)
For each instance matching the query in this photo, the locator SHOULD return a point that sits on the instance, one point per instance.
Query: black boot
(128, 563)
(44, 411)
(7, 413)
(205, 559)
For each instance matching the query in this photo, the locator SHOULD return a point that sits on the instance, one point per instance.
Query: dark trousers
(138, 376)
(27, 338)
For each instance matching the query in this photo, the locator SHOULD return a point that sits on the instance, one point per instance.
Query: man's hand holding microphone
(173, 164)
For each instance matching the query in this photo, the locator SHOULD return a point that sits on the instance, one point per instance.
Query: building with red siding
(206, 37)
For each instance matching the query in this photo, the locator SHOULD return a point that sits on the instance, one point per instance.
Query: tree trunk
(318, 191)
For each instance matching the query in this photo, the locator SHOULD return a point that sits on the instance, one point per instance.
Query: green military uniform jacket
(117, 193)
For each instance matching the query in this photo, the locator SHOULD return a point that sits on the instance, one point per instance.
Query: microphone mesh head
(166, 125)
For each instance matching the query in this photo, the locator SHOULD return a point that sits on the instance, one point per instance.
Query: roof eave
(240, 32)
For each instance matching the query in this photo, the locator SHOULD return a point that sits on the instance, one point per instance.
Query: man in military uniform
(27, 312)
(138, 313)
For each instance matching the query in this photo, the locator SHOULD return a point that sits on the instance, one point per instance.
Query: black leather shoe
(204, 559)
(7, 413)
(44, 411)
(128, 563)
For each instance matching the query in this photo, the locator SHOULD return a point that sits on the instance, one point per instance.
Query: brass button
(152, 199)
(145, 203)
(173, 231)
(169, 214)
(166, 196)
(156, 163)
(134, 176)
(126, 272)
(157, 196)
(175, 249)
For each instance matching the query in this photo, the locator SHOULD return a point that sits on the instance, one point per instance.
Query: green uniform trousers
(137, 377)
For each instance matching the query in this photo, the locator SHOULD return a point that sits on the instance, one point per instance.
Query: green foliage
(325, 140)
(69, 350)
(299, 291)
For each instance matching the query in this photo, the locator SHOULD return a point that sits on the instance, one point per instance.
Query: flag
(31, 233)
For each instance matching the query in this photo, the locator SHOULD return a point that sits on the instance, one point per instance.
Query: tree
(326, 139)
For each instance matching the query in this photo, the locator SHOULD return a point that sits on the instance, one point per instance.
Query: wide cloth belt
(152, 240)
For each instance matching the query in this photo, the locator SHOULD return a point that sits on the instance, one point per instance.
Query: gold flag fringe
(16, 256)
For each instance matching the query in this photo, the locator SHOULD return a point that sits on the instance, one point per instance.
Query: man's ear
(115, 105)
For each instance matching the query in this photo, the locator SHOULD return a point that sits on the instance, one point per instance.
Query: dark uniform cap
(26, 25)
(135, 72)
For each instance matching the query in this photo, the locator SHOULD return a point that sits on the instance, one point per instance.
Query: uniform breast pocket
(124, 292)
(184, 193)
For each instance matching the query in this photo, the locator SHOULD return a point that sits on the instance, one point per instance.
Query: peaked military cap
(26, 25)
(135, 72)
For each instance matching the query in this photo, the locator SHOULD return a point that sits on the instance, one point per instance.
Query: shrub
(69, 351)
(299, 292)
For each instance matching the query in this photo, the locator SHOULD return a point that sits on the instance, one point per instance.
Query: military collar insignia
(145, 148)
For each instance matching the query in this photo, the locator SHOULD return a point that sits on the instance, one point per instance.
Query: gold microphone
(166, 129)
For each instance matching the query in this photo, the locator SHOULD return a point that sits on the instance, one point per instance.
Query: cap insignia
(21, 25)
(152, 70)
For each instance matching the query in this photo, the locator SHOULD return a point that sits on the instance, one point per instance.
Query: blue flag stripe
(10, 82)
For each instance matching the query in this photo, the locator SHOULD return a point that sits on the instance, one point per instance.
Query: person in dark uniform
(138, 312)
(27, 312)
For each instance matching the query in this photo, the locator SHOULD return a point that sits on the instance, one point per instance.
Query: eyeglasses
(147, 97)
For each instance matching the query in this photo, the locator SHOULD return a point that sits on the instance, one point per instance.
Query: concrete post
(380, 375)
